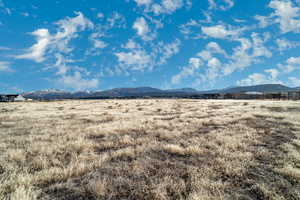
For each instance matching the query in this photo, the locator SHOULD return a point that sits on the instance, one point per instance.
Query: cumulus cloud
(291, 64)
(214, 47)
(166, 51)
(211, 49)
(142, 29)
(97, 44)
(61, 64)
(284, 44)
(240, 58)
(257, 78)
(220, 32)
(286, 14)
(116, 20)
(135, 60)
(134, 57)
(259, 49)
(189, 70)
(164, 6)
(221, 5)
(249, 51)
(143, 2)
(273, 73)
(264, 21)
(5, 67)
(205, 57)
(77, 82)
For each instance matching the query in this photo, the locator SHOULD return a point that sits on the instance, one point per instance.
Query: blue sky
(97, 45)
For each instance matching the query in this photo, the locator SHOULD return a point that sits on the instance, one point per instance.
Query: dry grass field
(150, 149)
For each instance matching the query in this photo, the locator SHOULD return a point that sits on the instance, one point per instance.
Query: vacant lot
(150, 149)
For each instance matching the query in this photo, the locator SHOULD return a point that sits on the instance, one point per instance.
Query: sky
(78, 45)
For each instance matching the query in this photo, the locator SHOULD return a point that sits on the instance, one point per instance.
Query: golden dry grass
(150, 149)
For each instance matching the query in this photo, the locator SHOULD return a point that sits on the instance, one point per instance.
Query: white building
(19, 98)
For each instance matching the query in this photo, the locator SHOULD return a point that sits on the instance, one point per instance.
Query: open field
(150, 149)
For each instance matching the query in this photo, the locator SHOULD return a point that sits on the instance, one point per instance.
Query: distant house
(211, 96)
(244, 95)
(11, 98)
(274, 95)
(295, 95)
(19, 98)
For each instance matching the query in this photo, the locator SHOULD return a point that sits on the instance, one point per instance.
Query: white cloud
(294, 81)
(56, 45)
(59, 42)
(189, 70)
(284, 44)
(96, 42)
(135, 59)
(76, 82)
(5, 67)
(68, 28)
(171, 5)
(142, 29)
(257, 79)
(294, 61)
(214, 47)
(263, 21)
(214, 69)
(195, 62)
(258, 47)
(210, 49)
(187, 29)
(166, 51)
(99, 44)
(116, 20)
(38, 50)
(240, 58)
(143, 2)
(223, 5)
(292, 64)
(132, 45)
(286, 14)
(204, 57)
(61, 64)
(220, 32)
(273, 73)
(243, 57)
(214, 63)
(164, 6)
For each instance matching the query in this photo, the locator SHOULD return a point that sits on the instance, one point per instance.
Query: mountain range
(150, 92)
